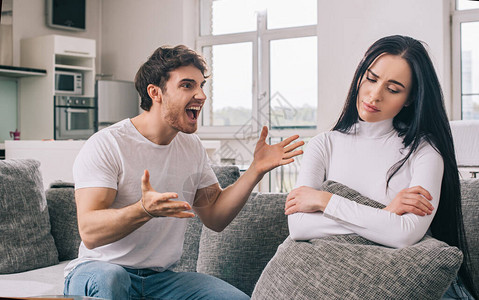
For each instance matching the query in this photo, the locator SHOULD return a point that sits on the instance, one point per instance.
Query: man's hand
(268, 157)
(414, 200)
(159, 204)
(306, 199)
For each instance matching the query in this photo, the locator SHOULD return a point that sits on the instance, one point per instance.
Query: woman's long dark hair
(423, 119)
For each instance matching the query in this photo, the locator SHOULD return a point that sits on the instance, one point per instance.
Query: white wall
(347, 28)
(132, 30)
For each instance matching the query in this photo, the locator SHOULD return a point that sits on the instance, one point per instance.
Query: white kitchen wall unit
(51, 52)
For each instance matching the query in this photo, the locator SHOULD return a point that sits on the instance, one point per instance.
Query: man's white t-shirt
(116, 158)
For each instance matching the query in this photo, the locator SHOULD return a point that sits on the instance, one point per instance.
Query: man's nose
(200, 95)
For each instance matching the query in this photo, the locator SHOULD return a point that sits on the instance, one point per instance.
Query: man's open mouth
(193, 112)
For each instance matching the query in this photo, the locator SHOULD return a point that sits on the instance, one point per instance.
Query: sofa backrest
(63, 219)
(226, 175)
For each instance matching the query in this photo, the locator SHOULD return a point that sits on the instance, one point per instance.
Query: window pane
(294, 83)
(229, 89)
(287, 13)
(470, 107)
(470, 70)
(466, 4)
(234, 16)
(228, 16)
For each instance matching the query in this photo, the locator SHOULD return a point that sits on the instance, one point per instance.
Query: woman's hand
(414, 200)
(306, 199)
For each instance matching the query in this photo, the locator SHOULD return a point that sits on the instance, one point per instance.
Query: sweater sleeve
(313, 172)
(314, 163)
(343, 216)
(384, 227)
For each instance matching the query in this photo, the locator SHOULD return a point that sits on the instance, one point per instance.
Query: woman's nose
(375, 93)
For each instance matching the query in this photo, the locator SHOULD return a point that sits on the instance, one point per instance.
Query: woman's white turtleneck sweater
(361, 160)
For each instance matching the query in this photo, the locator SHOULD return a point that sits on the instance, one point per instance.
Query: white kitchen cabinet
(36, 94)
(74, 46)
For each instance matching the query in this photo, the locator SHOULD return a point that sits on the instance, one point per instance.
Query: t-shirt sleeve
(207, 175)
(97, 164)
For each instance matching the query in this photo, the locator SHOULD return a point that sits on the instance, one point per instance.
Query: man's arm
(217, 208)
(99, 224)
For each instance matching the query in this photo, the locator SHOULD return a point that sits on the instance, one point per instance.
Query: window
(262, 56)
(465, 49)
(263, 60)
(466, 4)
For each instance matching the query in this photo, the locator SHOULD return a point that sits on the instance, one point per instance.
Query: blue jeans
(110, 281)
(457, 290)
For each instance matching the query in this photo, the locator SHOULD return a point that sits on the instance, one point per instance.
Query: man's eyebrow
(391, 80)
(192, 81)
(188, 80)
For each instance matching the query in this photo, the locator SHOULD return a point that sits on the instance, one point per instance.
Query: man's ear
(154, 92)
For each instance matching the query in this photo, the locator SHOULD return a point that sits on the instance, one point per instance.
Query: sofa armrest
(470, 213)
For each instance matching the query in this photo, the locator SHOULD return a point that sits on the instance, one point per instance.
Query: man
(133, 231)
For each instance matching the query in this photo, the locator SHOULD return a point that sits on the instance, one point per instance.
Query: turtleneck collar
(374, 129)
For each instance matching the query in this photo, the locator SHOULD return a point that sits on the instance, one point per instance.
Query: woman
(393, 144)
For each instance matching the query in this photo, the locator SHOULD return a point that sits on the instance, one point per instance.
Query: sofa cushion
(42, 281)
(63, 219)
(26, 241)
(470, 212)
(352, 267)
(226, 175)
(239, 253)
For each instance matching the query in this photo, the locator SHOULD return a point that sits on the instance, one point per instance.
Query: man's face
(183, 98)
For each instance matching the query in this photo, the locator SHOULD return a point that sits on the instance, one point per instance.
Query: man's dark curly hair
(156, 70)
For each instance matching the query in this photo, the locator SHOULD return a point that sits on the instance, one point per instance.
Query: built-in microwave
(67, 82)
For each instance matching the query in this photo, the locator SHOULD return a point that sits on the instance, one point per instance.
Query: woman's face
(384, 88)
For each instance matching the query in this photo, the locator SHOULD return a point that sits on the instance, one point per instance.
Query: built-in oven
(75, 117)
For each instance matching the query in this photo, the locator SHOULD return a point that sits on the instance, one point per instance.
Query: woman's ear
(154, 92)
(408, 102)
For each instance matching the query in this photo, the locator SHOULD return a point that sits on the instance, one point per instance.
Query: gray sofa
(238, 255)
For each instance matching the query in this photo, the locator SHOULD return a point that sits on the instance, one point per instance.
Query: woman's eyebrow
(391, 80)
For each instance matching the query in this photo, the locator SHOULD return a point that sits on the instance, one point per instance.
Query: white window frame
(260, 40)
(459, 17)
